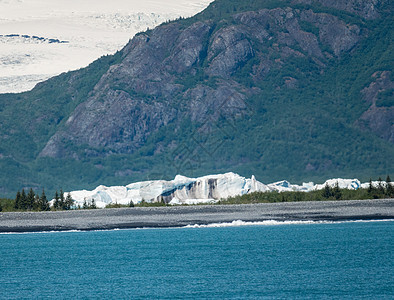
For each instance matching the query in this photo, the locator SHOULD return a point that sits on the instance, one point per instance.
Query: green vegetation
(381, 191)
(7, 204)
(224, 9)
(143, 203)
(28, 202)
(385, 98)
(117, 205)
(35, 202)
(89, 204)
(305, 133)
(62, 203)
(327, 193)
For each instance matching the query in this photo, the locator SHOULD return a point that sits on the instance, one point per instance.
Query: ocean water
(351, 260)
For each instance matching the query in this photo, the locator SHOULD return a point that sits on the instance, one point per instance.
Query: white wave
(238, 223)
(243, 223)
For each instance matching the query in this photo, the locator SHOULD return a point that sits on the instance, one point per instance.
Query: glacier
(89, 29)
(201, 190)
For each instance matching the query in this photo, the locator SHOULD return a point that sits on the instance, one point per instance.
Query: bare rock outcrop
(175, 72)
(378, 119)
(367, 9)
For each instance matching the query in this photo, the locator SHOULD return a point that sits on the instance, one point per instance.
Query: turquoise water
(304, 261)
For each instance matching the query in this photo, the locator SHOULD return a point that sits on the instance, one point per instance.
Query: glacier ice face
(285, 186)
(350, 184)
(206, 189)
(375, 184)
(181, 190)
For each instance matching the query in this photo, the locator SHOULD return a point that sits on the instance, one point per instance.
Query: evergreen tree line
(382, 190)
(33, 201)
(373, 191)
(88, 204)
(62, 203)
(329, 192)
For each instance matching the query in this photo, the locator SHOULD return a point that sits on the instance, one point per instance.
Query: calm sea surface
(295, 261)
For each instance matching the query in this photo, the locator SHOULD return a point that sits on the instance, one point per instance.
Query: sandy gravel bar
(200, 214)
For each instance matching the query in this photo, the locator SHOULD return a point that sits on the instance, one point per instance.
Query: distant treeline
(34, 202)
(31, 201)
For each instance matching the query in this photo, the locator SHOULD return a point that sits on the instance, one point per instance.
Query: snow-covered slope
(43, 38)
(184, 190)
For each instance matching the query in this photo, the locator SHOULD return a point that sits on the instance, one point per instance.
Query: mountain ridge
(263, 89)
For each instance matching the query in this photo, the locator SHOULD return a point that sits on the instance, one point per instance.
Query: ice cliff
(185, 190)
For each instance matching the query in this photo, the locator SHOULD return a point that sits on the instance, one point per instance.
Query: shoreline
(181, 216)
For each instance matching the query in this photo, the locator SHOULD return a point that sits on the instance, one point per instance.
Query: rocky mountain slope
(282, 89)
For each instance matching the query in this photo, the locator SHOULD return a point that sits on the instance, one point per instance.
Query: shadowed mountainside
(301, 90)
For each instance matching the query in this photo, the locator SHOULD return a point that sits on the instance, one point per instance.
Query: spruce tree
(93, 205)
(371, 188)
(69, 201)
(44, 205)
(380, 186)
(85, 204)
(337, 191)
(18, 203)
(1, 207)
(30, 199)
(56, 203)
(62, 200)
(389, 187)
(327, 192)
(23, 200)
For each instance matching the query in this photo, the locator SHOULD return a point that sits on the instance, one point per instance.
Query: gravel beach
(177, 216)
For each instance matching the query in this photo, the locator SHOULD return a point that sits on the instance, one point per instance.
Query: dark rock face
(117, 116)
(336, 34)
(190, 47)
(283, 25)
(148, 89)
(379, 120)
(208, 103)
(364, 8)
(228, 49)
(119, 125)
